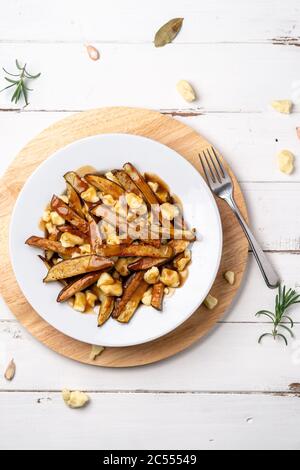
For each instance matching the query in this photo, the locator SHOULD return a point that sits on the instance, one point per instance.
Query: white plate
(106, 152)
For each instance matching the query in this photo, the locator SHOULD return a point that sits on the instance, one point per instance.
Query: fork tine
(218, 176)
(207, 169)
(203, 167)
(219, 163)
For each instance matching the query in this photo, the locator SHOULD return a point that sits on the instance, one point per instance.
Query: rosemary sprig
(19, 82)
(284, 300)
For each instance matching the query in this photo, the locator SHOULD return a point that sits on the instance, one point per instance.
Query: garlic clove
(186, 90)
(93, 53)
(10, 371)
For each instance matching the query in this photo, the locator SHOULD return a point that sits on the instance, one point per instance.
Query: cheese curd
(90, 195)
(133, 201)
(152, 275)
(69, 240)
(147, 297)
(105, 279)
(169, 211)
(211, 302)
(56, 219)
(79, 302)
(170, 278)
(114, 290)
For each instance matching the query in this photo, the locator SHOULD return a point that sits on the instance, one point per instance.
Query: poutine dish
(114, 241)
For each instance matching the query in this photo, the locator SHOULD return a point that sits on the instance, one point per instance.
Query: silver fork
(221, 185)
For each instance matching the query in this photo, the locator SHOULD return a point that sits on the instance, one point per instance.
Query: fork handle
(269, 274)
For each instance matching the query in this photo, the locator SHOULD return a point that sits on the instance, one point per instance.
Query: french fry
(146, 263)
(95, 235)
(105, 309)
(79, 265)
(74, 200)
(46, 262)
(77, 286)
(157, 295)
(69, 214)
(133, 303)
(86, 207)
(49, 265)
(178, 246)
(105, 186)
(125, 240)
(149, 241)
(139, 181)
(78, 183)
(164, 251)
(127, 183)
(51, 245)
(130, 286)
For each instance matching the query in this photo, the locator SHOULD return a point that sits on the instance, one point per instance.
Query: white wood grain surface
(250, 75)
(135, 21)
(226, 392)
(132, 421)
(248, 141)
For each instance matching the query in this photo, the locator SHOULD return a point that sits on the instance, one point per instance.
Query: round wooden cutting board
(183, 140)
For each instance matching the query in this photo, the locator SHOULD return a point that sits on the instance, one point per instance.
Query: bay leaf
(168, 32)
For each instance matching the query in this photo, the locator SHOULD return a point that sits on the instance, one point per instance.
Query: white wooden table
(226, 391)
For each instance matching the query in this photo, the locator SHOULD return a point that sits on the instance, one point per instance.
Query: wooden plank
(273, 210)
(247, 141)
(227, 78)
(156, 421)
(250, 142)
(229, 358)
(254, 294)
(135, 21)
